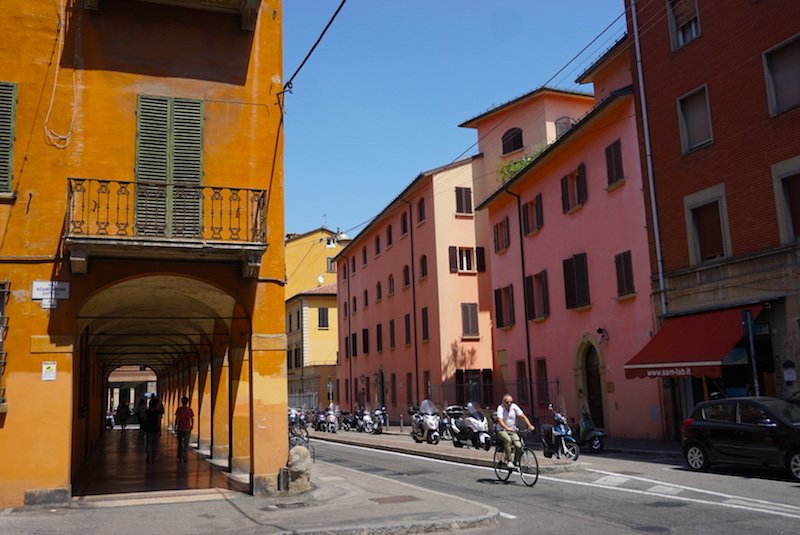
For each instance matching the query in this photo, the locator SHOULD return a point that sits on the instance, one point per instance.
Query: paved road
(611, 494)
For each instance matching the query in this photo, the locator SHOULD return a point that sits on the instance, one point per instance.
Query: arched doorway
(594, 385)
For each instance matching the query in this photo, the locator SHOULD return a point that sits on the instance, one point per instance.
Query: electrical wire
(61, 141)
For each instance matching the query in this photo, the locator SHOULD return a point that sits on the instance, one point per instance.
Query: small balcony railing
(123, 210)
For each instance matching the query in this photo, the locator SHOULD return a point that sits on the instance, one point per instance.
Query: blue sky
(381, 98)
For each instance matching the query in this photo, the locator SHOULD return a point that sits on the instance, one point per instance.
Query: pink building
(409, 321)
(570, 272)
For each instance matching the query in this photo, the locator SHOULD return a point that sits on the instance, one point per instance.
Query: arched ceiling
(153, 320)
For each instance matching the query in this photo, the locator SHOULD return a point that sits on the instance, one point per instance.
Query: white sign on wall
(50, 290)
(48, 371)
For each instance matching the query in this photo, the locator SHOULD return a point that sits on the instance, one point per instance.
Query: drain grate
(291, 505)
(394, 499)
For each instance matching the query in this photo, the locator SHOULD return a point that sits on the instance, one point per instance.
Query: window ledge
(8, 197)
(574, 209)
(403, 235)
(423, 277)
(616, 185)
(700, 146)
(540, 319)
(626, 297)
(471, 273)
(470, 338)
(533, 233)
(420, 223)
(388, 246)
(464, 215)
(582, 308)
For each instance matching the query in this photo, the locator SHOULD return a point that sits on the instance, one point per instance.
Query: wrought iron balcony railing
(123, 210)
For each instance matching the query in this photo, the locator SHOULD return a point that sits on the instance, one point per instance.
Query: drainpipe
(649, 161)
(525, 315)
(413, 301)
(349, 329)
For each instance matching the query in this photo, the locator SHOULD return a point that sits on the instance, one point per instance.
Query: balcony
(248, 9)
(118, 219)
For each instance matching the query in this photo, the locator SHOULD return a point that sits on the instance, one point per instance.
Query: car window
(788, 411)
(750, 414)
(722, 412)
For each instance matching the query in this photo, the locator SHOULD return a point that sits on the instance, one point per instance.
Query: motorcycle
(348, 421)
(425, 422)
(469, 426)
(364, 423)
(379, 420)
(557, 440)
(331, 419)
(589, 435)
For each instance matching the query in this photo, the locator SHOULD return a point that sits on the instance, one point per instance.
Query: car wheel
(793, 464)
(696, 457)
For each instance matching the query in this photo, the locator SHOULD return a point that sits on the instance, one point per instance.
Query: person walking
(122, 414)
(507, 413)
(152, 428)
(184, 423)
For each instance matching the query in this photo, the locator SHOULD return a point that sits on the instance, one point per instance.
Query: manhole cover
(292, 505)
(394, 499)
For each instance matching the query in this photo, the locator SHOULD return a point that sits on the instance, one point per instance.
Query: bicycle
(527, 465)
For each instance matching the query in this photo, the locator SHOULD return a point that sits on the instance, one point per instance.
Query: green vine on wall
(507, 170)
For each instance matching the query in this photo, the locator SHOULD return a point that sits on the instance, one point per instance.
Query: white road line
(612, 481)
(506, 515)
(732, 502)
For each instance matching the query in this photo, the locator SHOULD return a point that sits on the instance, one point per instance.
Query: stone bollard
(299, 466)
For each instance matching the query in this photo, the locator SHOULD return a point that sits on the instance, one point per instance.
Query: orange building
(141, 223)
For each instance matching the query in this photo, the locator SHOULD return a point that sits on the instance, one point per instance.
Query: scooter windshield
(427, 407)
(474, 411)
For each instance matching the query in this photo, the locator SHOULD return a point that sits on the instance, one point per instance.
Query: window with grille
(522, 381)
(573, 189)
(782, 71)
(8, 109)
(576, 281)
(563, 125)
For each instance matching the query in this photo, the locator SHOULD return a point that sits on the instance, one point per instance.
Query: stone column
(220, 408)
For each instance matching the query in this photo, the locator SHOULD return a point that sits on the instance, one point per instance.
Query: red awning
(692, 345)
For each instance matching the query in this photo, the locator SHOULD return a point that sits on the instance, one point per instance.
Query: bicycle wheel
(500, 468)
(528, 466)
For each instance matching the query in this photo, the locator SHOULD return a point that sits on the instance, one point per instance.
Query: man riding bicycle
(507, 414)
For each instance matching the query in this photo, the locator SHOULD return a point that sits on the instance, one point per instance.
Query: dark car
(757, 431)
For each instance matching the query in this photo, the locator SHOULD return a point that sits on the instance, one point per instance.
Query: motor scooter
(425, 422)
(557, 440)
(379, 420)
(469, 426)
(588, 435)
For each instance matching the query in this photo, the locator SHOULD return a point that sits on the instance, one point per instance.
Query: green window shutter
(8, 107)
(152, 165)
(187, 166)
(169, 166)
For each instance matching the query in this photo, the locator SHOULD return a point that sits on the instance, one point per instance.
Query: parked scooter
(469, 426)
(348, 421)
(557, 440)
(109, 420)
(364, 422)
(425, 422)
(331, 418)
(589, 435)
(379, 420)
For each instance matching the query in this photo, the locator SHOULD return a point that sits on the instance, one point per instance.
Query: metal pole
(747, 318)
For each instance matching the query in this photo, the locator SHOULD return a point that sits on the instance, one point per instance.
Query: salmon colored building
(410, 325)
(719, 95)
(141, 224)
(569, 259)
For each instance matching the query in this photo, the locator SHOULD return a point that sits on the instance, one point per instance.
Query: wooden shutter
(152, 165)
(495, 230)
(530, 305)
(510, 294)
(580, 185)
(544, 294)
(354, 344)
(582, 280)
(539, 213)
(480, 259)
(8, 107)
(683, 11)
(610, 169)
(187, 167)
(498, 307)
(569, 282)
(452, 252)
(564, 194)
(506, 233)
(526, 226)
(463, 200)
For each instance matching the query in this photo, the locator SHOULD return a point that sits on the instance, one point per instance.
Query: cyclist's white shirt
(509, 416)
